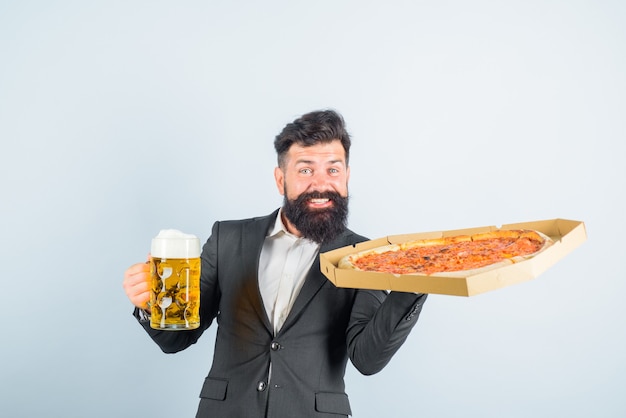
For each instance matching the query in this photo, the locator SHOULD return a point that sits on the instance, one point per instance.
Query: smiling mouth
(320, 202)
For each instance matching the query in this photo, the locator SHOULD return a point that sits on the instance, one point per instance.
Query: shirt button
(275, 346)
(261, 386)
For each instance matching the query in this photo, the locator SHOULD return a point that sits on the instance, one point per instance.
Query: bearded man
(285, 332)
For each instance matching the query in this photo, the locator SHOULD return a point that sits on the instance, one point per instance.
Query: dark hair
(313, 128)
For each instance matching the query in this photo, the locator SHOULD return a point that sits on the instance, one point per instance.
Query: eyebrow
(331, 162)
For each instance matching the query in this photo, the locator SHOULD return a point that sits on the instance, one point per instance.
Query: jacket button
(261, 386)
(275, 346)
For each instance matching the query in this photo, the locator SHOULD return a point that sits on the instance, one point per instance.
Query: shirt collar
(279, 226)
(279, 229)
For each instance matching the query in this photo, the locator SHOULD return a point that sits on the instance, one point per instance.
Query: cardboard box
(567, 235)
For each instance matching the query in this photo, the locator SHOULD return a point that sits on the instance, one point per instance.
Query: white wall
(120, 118)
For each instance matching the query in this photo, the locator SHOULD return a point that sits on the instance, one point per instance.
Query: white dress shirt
(284, 263)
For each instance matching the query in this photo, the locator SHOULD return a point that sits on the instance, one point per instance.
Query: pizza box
(567, 235)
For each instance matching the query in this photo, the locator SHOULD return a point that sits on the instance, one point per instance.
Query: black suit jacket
(326, 326)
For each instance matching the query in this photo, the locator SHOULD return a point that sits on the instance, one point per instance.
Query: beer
(175, 281)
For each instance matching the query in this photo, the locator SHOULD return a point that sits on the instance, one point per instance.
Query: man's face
(314, 181)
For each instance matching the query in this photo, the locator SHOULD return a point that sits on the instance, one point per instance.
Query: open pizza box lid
(566, 234)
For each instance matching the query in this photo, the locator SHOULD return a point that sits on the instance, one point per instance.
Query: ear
(279, 177)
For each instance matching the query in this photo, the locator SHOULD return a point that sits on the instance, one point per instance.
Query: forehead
(322, 152)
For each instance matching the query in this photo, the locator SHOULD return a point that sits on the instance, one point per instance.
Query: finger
(137, 268)
(142, 300)
(136, 281)
(136, 284)
(139, 295)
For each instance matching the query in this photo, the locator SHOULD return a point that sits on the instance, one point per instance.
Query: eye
(306, 171)
(333, 170)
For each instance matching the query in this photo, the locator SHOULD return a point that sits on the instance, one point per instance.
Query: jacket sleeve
(379, 325)
(174, 341)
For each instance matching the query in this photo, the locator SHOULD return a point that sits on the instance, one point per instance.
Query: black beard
(318, 225)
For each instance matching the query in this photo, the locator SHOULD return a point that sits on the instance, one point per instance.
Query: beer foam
(172, 243)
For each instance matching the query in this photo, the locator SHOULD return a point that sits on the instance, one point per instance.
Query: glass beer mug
(175, 281)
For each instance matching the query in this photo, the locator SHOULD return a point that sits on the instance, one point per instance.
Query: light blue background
(120, 118)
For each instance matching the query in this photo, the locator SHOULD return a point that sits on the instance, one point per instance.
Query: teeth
(319, 200)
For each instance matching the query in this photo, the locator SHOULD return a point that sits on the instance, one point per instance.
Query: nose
(320, 181)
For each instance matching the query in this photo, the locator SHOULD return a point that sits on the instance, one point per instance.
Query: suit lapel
(312, 284)
(253, 238)
(314, 280)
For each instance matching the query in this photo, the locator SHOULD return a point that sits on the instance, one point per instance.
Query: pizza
(451, 256)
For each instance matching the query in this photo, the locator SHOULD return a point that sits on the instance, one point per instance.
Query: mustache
(330, 195)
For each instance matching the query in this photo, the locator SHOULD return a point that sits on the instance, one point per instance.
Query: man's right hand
(137, 284)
